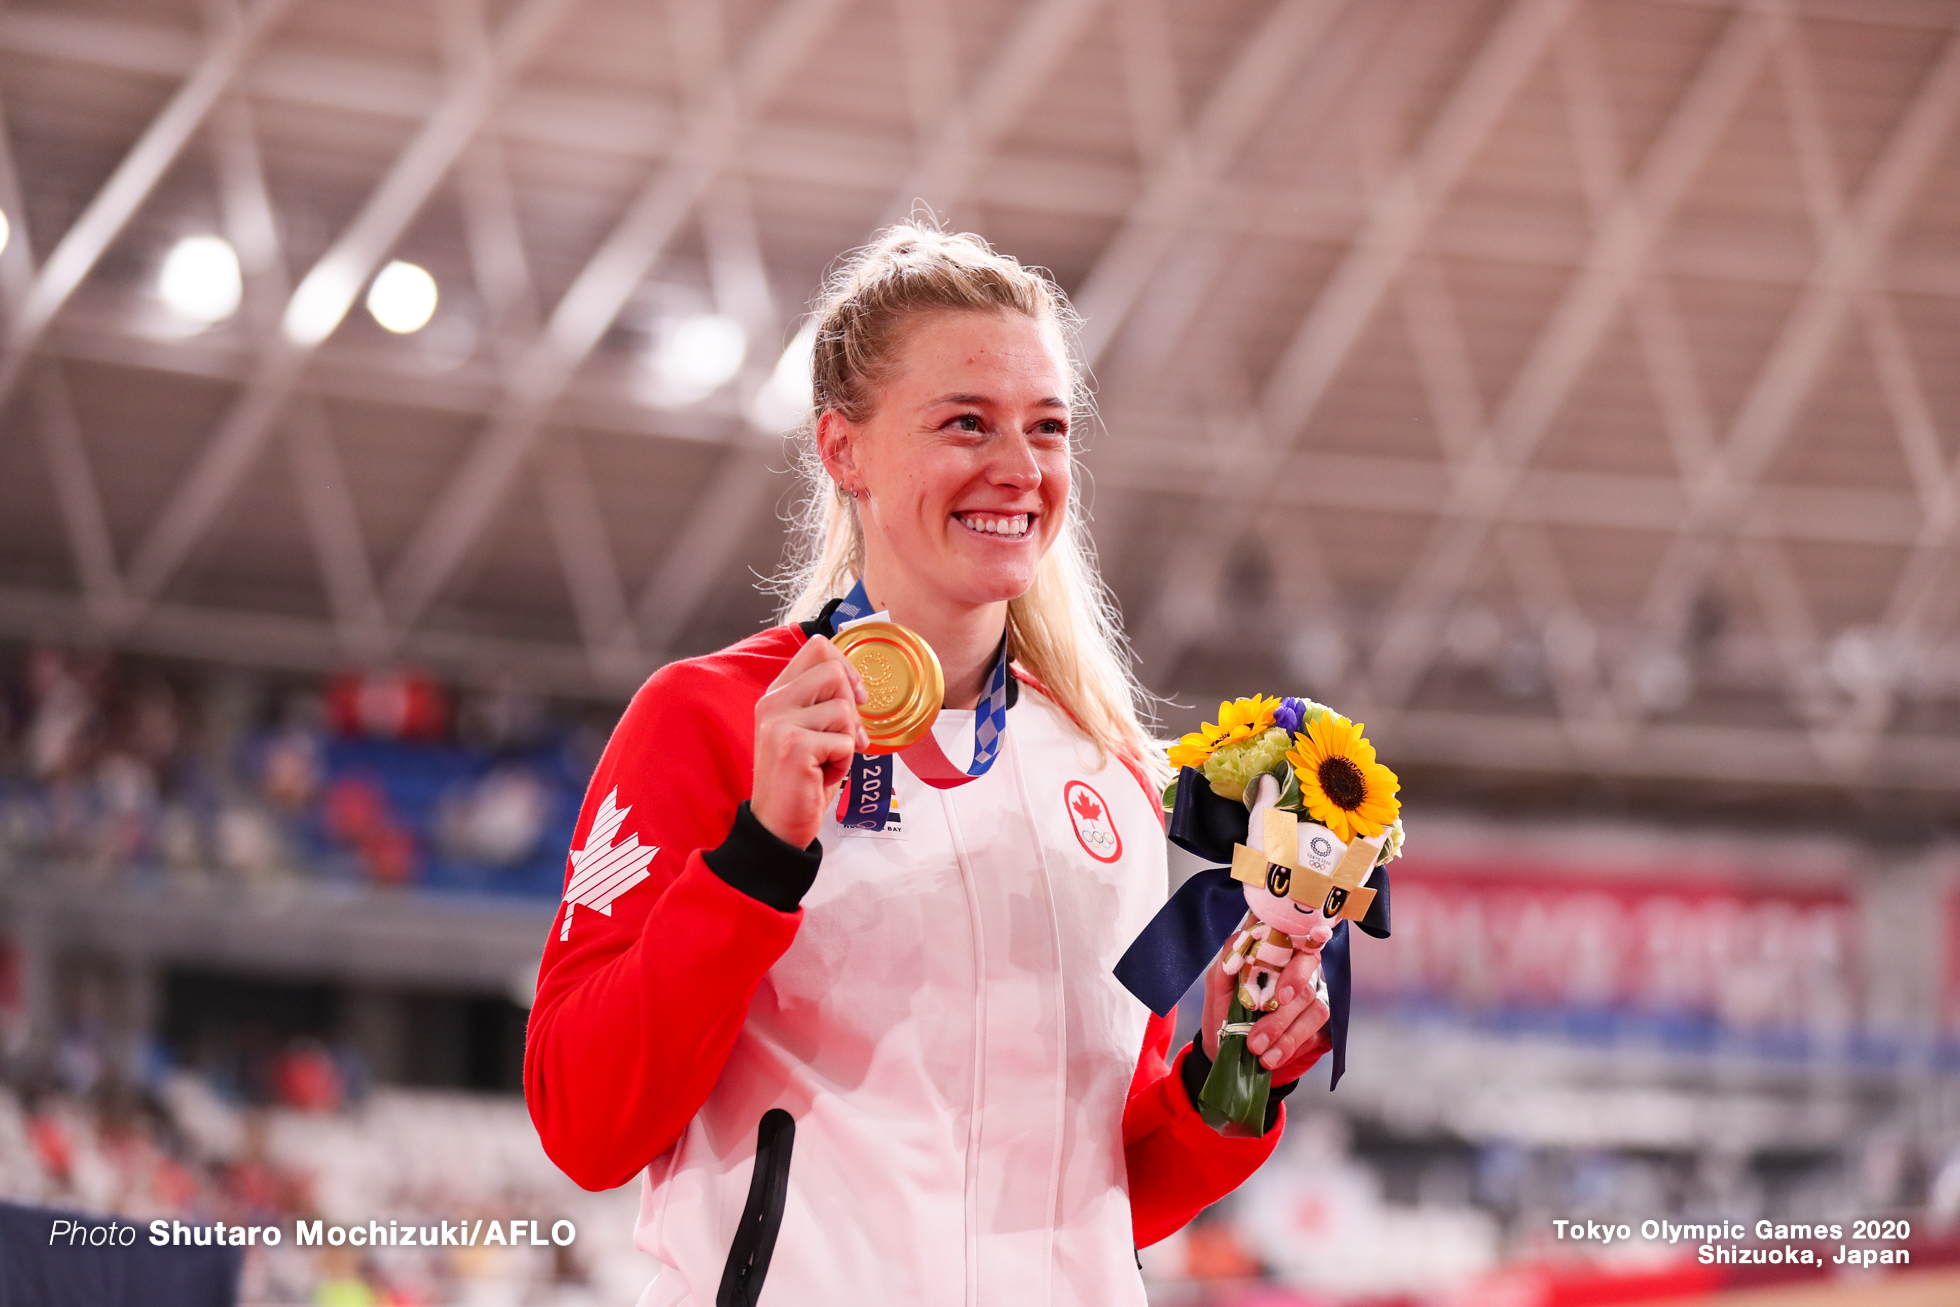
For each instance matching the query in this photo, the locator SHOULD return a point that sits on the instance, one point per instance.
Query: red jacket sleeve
(1178, 1165)
(639, 1002)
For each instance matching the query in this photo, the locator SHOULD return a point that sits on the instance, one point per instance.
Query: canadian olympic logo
(1095, 829)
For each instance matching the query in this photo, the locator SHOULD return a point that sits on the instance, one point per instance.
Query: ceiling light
(1317, 654)
(6, 230)
(697, 354)
(1859, 659)
(402, 298)
(200, 279)
(784, 399)
(1663, 680)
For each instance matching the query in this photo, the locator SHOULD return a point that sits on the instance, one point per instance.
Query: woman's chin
(975, 595)
(989, 578)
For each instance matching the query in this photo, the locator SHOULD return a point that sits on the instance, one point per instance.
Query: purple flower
(1290, 713)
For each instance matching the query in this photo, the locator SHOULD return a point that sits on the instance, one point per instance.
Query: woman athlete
(886, 1063)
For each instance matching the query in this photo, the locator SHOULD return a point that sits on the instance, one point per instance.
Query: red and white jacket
(983, 1114)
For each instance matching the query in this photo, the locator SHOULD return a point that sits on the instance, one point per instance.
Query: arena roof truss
(1559, 385)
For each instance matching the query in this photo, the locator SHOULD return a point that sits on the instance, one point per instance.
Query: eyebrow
(981, 400)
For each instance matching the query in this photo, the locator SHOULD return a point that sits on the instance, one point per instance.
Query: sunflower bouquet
(1290, 792)
(1325, 768)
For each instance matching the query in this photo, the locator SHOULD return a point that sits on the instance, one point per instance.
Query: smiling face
(962, 470)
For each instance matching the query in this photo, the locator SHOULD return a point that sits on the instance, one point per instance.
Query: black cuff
(763, 867)
(1197, 1068)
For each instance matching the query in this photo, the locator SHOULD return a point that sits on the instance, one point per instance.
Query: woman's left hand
(1289, 1039)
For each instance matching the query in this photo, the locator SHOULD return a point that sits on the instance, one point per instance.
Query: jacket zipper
(762, 1214)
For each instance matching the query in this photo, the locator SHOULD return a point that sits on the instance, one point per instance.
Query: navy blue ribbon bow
(1187, 932)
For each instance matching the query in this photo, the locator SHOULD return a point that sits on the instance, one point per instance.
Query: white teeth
(1016, 525)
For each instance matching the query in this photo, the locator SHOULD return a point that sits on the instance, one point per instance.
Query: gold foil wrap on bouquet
(902, 678)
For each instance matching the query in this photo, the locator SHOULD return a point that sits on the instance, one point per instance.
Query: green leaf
(1233, 1100)
(1289, 792)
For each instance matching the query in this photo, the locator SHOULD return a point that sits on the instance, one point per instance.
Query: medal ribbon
(868, 795)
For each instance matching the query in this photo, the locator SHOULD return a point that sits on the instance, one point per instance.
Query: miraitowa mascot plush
(1289, 794)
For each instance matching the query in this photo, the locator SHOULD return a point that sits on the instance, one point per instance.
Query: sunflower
(1240, 719)
(1341, 784)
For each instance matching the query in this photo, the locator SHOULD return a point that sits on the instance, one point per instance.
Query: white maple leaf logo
(602, 870)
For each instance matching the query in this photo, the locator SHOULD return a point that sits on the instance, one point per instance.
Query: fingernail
(1257, 1043)
(1285, 996)
(1271, 1059)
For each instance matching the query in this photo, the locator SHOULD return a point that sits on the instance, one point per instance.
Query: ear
(837, 447)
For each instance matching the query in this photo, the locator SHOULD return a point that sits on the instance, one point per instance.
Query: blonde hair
(1064, 632)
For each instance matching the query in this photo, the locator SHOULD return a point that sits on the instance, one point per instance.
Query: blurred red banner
(1710, 945)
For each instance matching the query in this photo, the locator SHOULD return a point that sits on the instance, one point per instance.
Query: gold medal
(902, 677)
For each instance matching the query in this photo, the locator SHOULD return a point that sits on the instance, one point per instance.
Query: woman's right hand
(806, 729)
(1277, 1037)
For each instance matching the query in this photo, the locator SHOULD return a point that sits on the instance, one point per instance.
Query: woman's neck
(965, 638)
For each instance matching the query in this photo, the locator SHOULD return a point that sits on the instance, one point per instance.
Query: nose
(1014, 465)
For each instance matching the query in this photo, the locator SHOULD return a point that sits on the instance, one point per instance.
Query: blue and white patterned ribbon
(868, 794)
